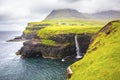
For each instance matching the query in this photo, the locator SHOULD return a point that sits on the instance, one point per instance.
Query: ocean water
(12, 67)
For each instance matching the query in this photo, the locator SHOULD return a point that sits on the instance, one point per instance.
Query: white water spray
(77, 48)
(62, 60)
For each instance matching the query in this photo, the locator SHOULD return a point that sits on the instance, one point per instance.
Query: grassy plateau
(52, 28)
(64, 26)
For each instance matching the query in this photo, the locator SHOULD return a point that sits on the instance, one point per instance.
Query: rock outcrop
(69, 72)
(32, 49)
(64, 47)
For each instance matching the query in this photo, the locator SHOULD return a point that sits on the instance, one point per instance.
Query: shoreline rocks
(17, 39)
(33, 48)
(69, 72)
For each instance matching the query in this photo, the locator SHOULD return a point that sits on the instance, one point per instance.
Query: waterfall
(78, 52)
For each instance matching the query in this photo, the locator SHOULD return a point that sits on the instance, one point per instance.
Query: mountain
(72, 13)
(64, 13)
(111, 14)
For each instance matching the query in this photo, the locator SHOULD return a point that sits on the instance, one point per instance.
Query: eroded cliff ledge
(64, 46)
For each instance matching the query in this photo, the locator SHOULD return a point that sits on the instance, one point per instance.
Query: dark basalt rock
(57, 52)
(32, 49)
(35, 48)
(83, 39)
(17, 39)
(63, 38)
(29, 36)
(29, 49)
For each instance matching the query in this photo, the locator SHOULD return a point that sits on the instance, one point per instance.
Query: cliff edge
(101, 61)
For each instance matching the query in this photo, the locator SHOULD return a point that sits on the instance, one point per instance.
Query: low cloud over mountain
(17, 13)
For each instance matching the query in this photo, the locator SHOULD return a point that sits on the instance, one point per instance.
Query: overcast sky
(15, 14)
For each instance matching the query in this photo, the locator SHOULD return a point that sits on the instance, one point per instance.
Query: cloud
(99, 5)
(70, 1)
(18, 13)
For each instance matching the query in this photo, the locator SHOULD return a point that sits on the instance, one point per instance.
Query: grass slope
(102, 60)
(69, 26)
(52, 28)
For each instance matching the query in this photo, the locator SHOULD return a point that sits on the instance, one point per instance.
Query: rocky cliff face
(32, 28)
(65, 46)
(62, 38)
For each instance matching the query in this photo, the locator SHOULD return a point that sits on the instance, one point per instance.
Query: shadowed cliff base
(64, 46)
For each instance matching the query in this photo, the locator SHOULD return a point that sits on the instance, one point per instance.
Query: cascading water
(78, 52)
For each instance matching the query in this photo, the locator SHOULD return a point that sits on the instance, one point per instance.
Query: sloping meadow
(102, 60)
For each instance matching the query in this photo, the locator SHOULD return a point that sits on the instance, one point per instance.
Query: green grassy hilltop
(102, 60)
(47, 28)
(75, 26)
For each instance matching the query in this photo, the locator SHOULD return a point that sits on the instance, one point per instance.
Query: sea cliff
(101, 61)
(55, 37)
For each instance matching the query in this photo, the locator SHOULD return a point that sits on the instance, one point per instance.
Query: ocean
(12, 67)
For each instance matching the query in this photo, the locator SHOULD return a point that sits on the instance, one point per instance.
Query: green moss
(74, 26)
(53, 43)
(27, 31)
(54, 31)
(48, 28)
(48, 42)
(101, 61)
